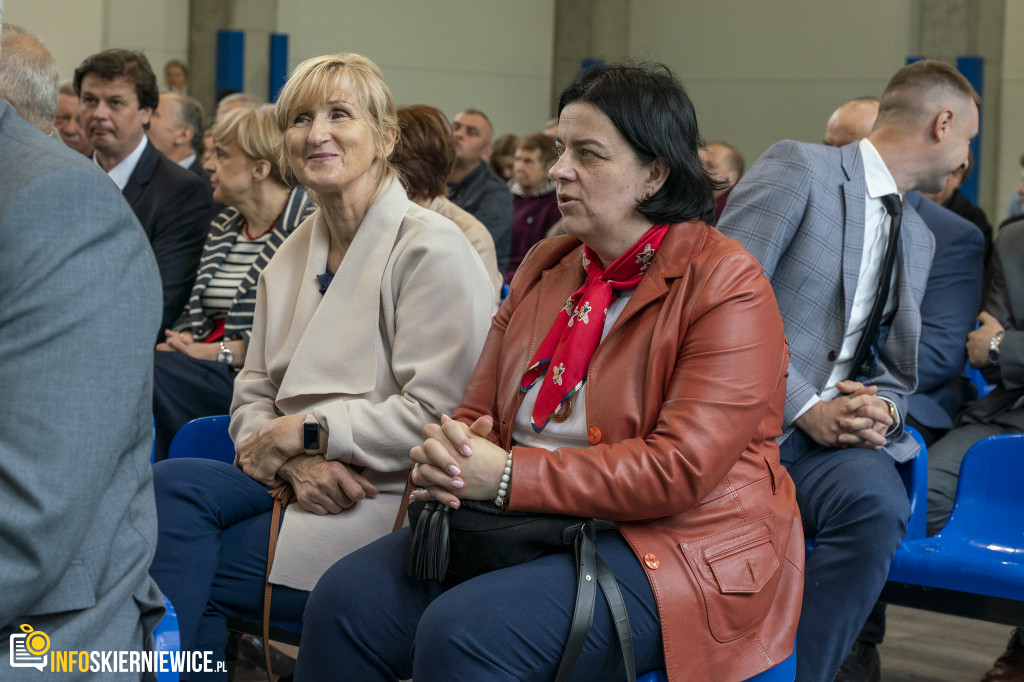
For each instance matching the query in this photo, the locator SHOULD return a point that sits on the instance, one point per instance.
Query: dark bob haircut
(650, 108)
(426, 154)
(132, 66)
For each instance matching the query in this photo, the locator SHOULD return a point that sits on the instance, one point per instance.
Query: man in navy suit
(118, 94)
(948, 310)
(820, 220)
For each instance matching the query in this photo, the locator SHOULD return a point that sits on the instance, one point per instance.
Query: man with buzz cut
(848, 260)
(950, 304)
(473, 187)
(118, 94)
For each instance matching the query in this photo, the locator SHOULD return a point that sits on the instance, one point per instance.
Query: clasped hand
(857, 417)
(261, 455)
(457, 462)
(183, 343)
(273, 455)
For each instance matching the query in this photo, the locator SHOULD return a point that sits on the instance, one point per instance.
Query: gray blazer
(800, 212)
(80, 298)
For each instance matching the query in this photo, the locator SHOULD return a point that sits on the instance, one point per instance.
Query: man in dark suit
(79, 301)
(118, 94)
(824, 222)
(950, 304)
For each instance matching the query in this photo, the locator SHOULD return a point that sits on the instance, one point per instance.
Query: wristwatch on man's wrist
(225, 355)
(994, 345)
(311, 435)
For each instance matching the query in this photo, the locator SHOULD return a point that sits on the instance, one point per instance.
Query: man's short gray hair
(28, 76)
(190, 112)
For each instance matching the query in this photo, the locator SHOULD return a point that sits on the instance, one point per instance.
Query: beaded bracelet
(503, 486)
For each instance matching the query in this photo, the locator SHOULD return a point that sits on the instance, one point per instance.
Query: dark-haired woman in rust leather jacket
(637, 377)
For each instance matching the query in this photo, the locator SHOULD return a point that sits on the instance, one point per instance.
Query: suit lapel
(852, 193)
(340, 341)
(142, 174)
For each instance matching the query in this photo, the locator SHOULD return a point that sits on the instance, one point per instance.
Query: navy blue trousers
(854, 505)
(185, 389)
(366, 620)
(211, 552)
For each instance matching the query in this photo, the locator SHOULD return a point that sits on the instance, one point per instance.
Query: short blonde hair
(253, 130)
(310, 85)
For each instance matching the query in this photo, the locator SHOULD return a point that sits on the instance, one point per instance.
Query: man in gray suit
(950, 304)
(79, 302)
(820, 219)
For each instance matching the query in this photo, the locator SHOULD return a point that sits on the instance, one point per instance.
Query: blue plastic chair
(981, 549)
(167, 638)
(206, 437)
(978, 379)
(915, 479)
(781, 672)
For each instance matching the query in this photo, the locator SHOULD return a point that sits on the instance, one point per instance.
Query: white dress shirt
(121, 173)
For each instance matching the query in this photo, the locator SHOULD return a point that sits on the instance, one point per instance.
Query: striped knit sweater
(224, 230)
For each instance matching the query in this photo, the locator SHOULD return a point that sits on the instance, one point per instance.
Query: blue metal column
(230, 60)
(278, 64)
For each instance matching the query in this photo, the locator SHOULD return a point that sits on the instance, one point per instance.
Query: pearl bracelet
(503, 486)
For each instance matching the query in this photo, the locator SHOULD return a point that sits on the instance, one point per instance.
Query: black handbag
(454, 545)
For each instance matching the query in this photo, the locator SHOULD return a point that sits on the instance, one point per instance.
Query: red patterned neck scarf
(574, 337)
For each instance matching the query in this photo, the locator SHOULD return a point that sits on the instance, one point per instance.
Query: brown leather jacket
(684, 400)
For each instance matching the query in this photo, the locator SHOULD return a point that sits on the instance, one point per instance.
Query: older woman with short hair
(635, 374)
(209, 341)
(425, 158)
(368, 321)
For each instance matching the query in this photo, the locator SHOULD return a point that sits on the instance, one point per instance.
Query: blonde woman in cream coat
(369, 320)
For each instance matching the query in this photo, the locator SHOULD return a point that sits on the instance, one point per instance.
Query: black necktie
(894, 208)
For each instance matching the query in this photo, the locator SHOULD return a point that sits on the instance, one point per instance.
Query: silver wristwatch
(225, 355)
(993, 346)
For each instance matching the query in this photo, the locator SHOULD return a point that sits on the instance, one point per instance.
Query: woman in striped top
(207, 345)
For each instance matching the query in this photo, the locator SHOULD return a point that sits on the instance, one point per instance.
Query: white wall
(759, 72)
(493, 56)
(74, 29)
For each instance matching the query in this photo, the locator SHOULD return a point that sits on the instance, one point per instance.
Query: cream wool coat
(385, 351)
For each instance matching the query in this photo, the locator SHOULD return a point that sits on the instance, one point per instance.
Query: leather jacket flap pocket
(738, 574)
(744, 567)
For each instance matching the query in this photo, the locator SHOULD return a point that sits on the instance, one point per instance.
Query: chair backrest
(914, 473)
(167, 638)
(206, 437)
(978, 379)
(988, 505)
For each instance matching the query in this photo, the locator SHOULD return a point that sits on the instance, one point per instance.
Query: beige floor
(930, 647)
(920, 647)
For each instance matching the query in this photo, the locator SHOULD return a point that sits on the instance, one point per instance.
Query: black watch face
(310, 436)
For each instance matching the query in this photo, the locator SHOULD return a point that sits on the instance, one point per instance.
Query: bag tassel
(428, 556)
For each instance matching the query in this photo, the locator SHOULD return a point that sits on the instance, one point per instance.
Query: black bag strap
(617, 607)
(591, 571)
